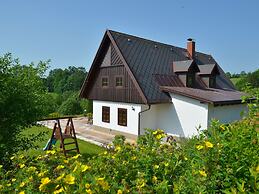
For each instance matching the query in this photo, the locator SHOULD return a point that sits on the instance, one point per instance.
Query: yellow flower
(60, 167)
(208, 144)
(155, 132)
(142, 185)
(105, 153)
(119, 191)
(51, 152)
(166, 164)
(156, 166)
(31, 169)
(199, 147)
(30, 178)
(75, 169)
(87, 185)
(85, 168)
(70, 179)
(8, 185)
(22, 165)
(203, 173)
(60, 177)
(118, 148)
(21, 156)
(22, 184)
(59, 190)
(22, 192)
(133, 158)
(154, 179)
(13, 180)
(42, 173)
(88, 191)
(103, 183)
(66, 161)
(44, 181)
(76, 156)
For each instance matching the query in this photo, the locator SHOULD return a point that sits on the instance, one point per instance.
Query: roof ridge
(154, 41)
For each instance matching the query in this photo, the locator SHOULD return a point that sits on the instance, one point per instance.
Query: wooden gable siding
(127, 93)
(111, 57)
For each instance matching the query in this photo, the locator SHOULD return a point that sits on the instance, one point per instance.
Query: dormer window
(190, 80)
(212, 82)
(208, 74)
(186, 71)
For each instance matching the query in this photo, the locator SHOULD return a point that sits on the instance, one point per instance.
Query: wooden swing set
(69, 133)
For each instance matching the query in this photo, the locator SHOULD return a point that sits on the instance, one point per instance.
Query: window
(106, 114)
(118, 81)
(212, 82)
(190, 80)
(105, 82)
(122, 116)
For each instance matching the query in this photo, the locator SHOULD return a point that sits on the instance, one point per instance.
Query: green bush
(222, 159)
(23, 100)
(71, 106)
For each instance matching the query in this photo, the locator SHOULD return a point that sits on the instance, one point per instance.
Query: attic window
(190, 80)
(119, 81)
(212, 82)
(105, 81)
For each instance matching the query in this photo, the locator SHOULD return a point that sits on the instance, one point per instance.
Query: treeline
(63, 86)
(241, 80)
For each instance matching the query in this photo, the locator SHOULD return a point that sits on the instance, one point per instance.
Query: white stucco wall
(226, 113)
(179, 118)
(132, 116)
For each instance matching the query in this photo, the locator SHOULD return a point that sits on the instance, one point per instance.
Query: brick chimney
(191, 47)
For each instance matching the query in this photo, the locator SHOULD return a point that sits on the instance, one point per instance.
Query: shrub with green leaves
(222, 159)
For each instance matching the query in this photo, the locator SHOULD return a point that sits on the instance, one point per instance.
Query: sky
(69, 32)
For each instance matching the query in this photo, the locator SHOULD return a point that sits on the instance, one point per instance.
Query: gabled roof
(184, 66)
(209, 69)
(146, 59)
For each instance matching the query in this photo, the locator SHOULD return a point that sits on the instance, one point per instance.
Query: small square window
(118, 81)
(122, 116)
(105, 81)
(190, 80)
(212, 82)
(106, 114)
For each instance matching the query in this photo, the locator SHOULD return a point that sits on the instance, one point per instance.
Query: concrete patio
(89, 133)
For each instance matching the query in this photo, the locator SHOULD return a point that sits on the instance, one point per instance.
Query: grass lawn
(86, 149)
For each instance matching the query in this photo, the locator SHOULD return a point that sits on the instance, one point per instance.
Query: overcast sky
(69, 32)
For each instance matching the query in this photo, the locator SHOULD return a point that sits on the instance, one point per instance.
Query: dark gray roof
(168, 80)
(146, 58)
(208, 69)
(214, 96)
(182, 66)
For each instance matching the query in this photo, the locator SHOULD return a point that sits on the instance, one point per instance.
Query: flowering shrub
(222, 159)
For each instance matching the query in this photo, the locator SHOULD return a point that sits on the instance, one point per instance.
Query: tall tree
(22, 102)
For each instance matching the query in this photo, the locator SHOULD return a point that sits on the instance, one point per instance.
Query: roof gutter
(139, 114)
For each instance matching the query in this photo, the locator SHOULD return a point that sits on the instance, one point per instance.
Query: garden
(222, 159)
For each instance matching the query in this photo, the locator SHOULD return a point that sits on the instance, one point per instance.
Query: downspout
(149, 106)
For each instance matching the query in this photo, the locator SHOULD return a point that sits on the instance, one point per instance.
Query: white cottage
(137, 83)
